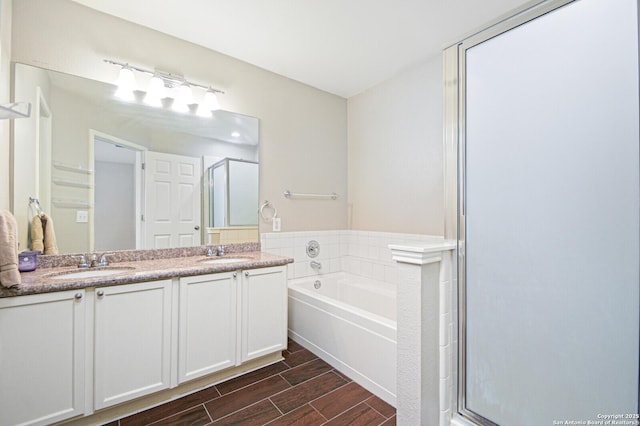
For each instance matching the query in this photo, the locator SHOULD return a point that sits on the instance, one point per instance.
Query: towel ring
(266, 205)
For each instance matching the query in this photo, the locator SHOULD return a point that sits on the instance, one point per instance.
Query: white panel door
(264, 312)
(42, 349)
(208, 324)
(173, 200)
(132, 341)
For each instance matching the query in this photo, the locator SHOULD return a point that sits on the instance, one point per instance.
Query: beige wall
(5, 58)
(302, 130)
(395, 154)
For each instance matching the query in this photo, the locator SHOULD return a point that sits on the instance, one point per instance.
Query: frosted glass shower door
(551, 217)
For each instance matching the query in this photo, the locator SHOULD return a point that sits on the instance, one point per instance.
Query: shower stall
(547, 196)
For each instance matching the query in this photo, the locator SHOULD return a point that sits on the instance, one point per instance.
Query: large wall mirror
(117, 175)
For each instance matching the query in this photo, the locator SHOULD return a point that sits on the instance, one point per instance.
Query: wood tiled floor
(301, 390)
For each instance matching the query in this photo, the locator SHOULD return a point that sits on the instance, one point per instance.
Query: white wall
(115, 206)
(303, 132)
(5, 80)
(395, 153)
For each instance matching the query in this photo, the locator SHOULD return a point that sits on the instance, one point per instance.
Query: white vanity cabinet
(264, 312)
(42, 347)
(72, 353)
(132, 341)
(207, 324)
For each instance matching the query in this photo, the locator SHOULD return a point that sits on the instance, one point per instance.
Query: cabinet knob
(100, 293)
(246, 273)
(235, 275)
(78, 296)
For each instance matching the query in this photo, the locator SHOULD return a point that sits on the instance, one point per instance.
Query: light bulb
(211, 100)
(183, 98)
(203, 111)
(156, 92)
(126, 84)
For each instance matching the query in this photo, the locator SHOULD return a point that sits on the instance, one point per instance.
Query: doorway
(117, 194)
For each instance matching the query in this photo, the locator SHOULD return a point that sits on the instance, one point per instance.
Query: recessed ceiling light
(235, 134)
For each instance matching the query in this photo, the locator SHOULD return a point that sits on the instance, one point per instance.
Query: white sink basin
(223, 260)
(88, 273)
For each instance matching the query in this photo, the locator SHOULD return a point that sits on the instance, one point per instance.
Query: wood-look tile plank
(246, 396)
(346, 378)
(391, 421)
(206, 395)
(250, 378)
(381, 406)
(172, 407)
(113, 423)
(299, 395)
(256, 414)
(306, 371)
(298, 358)
(196, 416)
(340, 400)
(302, 416)
(360, 415)
(293, 346)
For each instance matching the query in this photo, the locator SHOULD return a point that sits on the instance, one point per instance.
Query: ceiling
(340, 46)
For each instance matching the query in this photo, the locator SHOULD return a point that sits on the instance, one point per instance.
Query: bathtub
(349, 322)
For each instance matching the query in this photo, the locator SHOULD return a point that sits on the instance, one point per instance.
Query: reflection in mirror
(121, 175)
(233, 193)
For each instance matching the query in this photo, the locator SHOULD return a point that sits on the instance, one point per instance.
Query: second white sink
(225, 260)
(88, 273)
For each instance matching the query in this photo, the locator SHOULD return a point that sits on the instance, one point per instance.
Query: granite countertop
(42, 279)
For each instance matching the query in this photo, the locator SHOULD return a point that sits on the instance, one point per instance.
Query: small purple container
(28, 261)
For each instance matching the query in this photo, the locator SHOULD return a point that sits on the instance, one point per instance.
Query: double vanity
(98, 343)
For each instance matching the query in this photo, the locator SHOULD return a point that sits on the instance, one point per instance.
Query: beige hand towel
(9, 274)
(50, 244)
(37, 234)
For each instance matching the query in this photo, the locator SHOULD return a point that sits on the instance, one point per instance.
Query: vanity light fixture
(163, 85)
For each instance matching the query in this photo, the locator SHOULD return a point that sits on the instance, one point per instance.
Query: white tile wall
(362, 253)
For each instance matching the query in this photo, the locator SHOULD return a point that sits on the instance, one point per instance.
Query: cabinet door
(42, 358)
(132, 341)
(208, 331)
(264, 311)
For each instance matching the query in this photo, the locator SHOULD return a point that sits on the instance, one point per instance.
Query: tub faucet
(316, 265)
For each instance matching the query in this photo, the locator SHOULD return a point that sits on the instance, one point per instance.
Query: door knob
(197, 227)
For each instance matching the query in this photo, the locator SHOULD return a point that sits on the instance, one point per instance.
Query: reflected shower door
(550, 218)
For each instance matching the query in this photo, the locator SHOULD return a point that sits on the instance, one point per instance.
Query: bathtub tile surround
(356, 267)
(364, 253)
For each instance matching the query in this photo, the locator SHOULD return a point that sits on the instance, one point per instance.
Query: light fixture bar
(172, 79)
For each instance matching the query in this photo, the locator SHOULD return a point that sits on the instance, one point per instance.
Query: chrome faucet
(316, 265)
(82, 263)
(93, 263)
(218, 252)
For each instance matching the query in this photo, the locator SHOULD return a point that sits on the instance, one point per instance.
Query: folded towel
(9, 274)
(37, 234)
(43, 236)
(50, 244)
